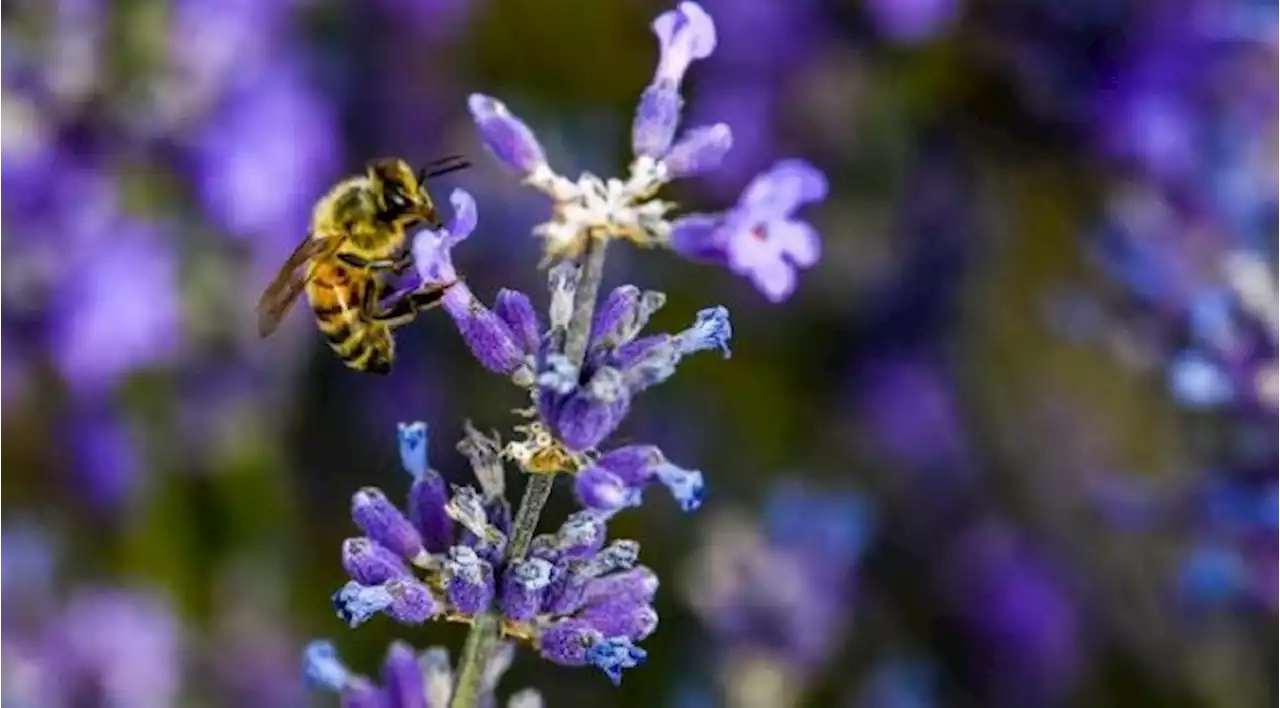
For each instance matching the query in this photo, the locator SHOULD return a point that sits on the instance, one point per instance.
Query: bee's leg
(404, 305)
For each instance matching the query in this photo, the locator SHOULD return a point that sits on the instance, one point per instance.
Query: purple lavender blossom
(409, 679)
(760, 237)
(780, 591)
(577, 599)
(114, 647)
(913, 21)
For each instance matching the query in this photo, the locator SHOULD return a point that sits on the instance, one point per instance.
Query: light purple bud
(323, 667)
(686, 486)
(566, 642)
(624, 619)
(413, 447)
(684, 35)
(629, 355)
(525, 583)
(381, 521)
(699, 151)
(698, 237)
(600, 490)
(568, 587)
(594, 411)
(402, 677)
(656, 120)
(638, 585)
(371, 563)
(516, 310)
(411, 601)
(506, 136)
(633, 464)
(613, 313)
(468, 581)
(581, 535)
(357, 603)
(485, 334)
(427, 499)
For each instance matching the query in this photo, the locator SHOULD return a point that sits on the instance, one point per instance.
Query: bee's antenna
(445, 165)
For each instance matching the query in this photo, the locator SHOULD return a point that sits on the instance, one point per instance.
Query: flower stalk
(483, 636)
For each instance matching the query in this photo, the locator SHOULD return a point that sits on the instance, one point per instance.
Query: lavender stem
(484, 631)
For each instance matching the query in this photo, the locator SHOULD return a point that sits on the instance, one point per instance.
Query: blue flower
(760, 237)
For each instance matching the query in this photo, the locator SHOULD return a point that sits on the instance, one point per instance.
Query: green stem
(485, 629)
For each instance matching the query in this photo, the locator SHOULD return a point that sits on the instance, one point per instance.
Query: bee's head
(401, 193)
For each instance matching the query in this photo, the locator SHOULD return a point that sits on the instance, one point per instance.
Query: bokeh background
(1038, 355)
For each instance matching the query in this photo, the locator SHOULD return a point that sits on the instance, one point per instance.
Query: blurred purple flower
(108, 647)
(120, 311)
(265, 155)
(911, 413)
(781, 590)
(913, 21)
(108, 463)
(1020, 614)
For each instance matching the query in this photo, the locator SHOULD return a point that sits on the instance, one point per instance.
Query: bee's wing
(289, 282)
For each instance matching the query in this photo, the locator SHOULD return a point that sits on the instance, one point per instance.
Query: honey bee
(357, 240)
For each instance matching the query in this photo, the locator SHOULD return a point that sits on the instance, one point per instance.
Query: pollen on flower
(541, 453)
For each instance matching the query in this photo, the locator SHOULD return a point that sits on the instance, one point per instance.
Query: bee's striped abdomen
(362, 345)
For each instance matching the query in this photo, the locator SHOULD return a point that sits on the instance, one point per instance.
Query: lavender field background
(1011, 442)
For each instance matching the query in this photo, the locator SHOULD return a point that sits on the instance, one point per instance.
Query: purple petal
(523, 587)
(381, 521)
(699, 151)
(469, 583)
(427, 499)
(411, 601)
(684, 35)
(603, 491)
(486, 335)
(657, 117)
(567, 642)
(402, 677)
(784, 187)
(698, 237)
(510, 140)
(638, 585)
(798, 241)
(465, 217)
(621, 619)
(633, 464)
(516, 310)
(370, 563)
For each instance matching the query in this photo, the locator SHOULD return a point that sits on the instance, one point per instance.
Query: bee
(357, 240)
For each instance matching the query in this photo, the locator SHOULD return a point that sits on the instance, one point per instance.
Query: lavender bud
(604, 492)
(427, 500)
(619, 555)
(710, 330)
(413, 447)
(506, 136)
(591, 414)
(381, 521)
(322, 666)
(412, 601)
(516, 310)
(581, 535)
(558, 375)
(526, 581)
(370, 563)
(699, 151)
(356, 603)
(617, 308)
(633, 464)
(628, 355)
(567, 642)
(486, 335)
(567, 589)
(638, 585)
(699, 238)
(402, 677)
(625, 619)
(686, 486)
(468, 581)
(656, 120)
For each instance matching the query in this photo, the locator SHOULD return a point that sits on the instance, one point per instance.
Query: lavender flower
(409, 679)
(778, 593)
(759, 238)
(579, 600)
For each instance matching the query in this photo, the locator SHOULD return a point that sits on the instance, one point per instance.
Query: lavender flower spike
(684, 35)
(506, 136)
(488, 337)
(760, 238)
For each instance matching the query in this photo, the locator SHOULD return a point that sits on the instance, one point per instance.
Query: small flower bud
(526, 581)
(699, 151)
(381, 521)
(506, 136)
(468, 581)
(371, 563)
